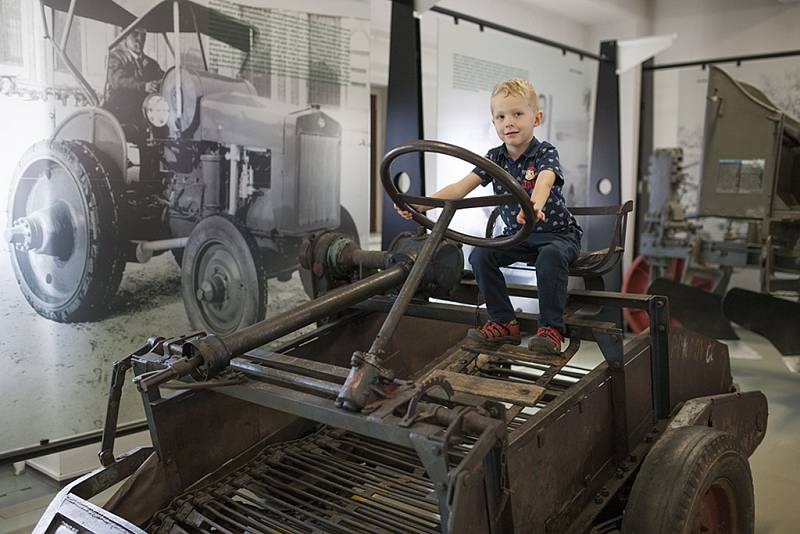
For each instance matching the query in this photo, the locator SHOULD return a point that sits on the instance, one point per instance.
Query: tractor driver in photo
(131, 76)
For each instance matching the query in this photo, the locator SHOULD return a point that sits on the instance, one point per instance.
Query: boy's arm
(453, 191)
(544, 182)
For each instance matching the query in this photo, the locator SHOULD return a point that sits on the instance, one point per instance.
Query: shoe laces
(550, 333)
(495, 329)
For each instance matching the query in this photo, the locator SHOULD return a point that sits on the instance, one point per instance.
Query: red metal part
(637, 280)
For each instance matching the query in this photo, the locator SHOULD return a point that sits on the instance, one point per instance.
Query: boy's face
(514, 119)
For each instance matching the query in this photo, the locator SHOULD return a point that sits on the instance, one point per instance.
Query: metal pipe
(233, 179)
(314, 384)
(199, 37)
(145, 249)
(729, 59)
(413, 281)
(339, 299)
(50, 447)
(369, 259)
(176, 24)
(68, 24)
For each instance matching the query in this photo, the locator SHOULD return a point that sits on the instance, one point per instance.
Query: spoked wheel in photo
(223, 279)
(63, 231)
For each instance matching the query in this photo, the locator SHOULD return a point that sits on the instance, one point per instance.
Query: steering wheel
(517, 196)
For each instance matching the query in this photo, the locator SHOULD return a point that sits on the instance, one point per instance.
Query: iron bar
(260, 371)
(50, 447)
(376, 514)
(336, 300)
(729, 59)
(328, 461)
(315, 369)
(511, 31)
(374, 483)
(412, 282)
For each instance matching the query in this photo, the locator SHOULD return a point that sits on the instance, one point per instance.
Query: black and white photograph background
(105, 185)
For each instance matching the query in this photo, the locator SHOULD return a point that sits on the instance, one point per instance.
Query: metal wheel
(63, 231)
(695, 480)
(223, 280)
(348, 227)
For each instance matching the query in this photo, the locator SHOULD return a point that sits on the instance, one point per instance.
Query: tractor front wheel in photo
(63, 231)
(223, 278)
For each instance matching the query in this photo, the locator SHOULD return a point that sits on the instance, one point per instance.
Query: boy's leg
(486, 263)
(552, 275)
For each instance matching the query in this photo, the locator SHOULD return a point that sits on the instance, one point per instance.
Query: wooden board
(515, 352)
(500, 390)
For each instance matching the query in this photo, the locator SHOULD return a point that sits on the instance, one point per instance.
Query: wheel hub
(47, 231)
(219, 289)
(717, 513)
(213, 289)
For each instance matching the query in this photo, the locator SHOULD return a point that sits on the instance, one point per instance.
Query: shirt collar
(533, 146)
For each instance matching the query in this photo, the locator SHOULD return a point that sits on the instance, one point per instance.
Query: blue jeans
(556, 251)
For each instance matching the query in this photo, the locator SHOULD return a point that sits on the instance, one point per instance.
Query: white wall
(505, 12)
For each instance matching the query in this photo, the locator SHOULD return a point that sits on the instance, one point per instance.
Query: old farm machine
(386, 418)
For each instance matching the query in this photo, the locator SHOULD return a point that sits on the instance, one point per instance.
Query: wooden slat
(516, 352)
(526, 394)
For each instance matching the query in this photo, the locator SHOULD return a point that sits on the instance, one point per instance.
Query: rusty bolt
(604, 491)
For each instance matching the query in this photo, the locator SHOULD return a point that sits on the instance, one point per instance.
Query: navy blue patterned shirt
(538, 157)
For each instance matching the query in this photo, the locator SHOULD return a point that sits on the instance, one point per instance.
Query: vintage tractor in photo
(229, 181)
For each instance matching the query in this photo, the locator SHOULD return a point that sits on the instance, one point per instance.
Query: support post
(403, 111)
(604, 188)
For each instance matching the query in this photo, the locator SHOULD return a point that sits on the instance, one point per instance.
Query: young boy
(556, 235)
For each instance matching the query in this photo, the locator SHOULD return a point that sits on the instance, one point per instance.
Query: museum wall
(540, 22)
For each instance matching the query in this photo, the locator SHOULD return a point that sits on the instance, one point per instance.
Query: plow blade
(696, 309)
(774, 318)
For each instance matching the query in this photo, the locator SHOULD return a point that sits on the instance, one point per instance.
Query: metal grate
(331, 481)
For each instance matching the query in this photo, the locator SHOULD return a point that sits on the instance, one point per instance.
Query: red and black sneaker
(546, 341)
(495, 332)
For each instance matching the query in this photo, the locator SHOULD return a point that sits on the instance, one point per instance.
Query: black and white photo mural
(161, 163)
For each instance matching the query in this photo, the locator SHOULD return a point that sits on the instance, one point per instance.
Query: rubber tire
(678, 472)
(347, 226)
(242, 245)
(105, 263)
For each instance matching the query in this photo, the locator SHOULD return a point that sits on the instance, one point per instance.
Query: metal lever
(365, 374)
(118, 372)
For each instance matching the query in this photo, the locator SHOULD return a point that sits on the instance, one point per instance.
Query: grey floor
(55, 382)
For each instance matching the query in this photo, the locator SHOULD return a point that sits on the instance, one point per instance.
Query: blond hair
(518, 87)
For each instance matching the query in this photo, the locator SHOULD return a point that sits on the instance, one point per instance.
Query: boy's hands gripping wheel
(408, 203)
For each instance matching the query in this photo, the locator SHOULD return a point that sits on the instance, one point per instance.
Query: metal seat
(590, 265)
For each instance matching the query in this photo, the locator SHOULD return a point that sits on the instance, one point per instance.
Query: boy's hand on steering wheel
(539, 215)
(407, 214)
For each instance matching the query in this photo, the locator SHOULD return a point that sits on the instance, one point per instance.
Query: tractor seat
(590, 265)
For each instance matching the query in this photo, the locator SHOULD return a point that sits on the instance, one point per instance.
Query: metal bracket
(611, 347)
